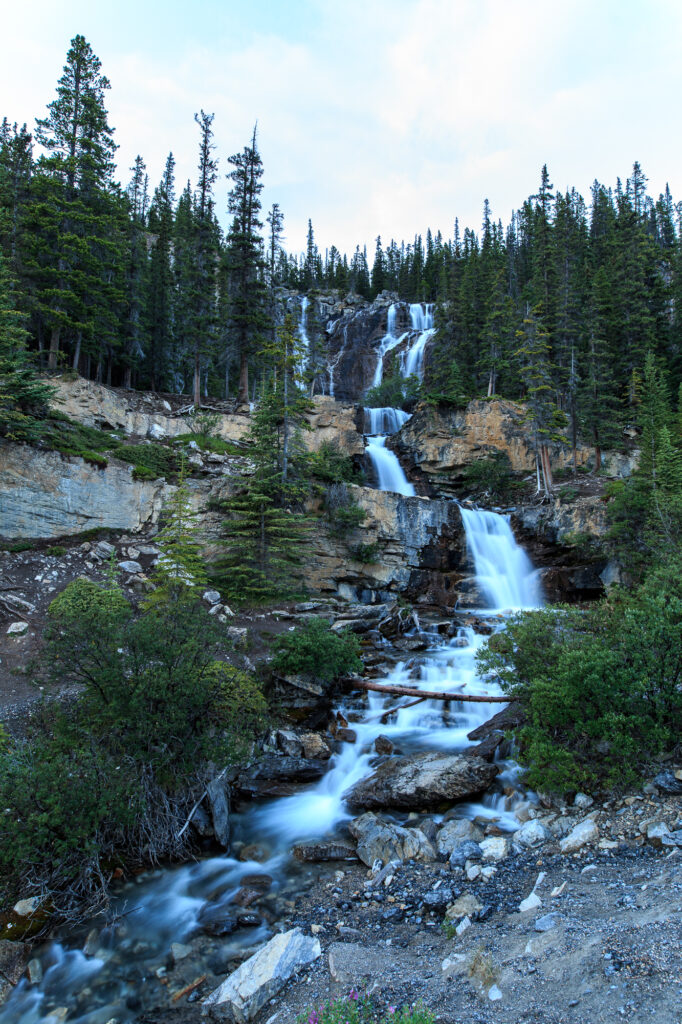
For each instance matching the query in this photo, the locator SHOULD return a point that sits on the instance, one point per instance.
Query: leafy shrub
(600, 687)
(314, 650)
(491, 475)
(357, 1009)
(366, 554)
(330, 464)
(567, 494)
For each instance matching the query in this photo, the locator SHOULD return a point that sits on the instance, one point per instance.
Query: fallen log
(412, 691)
(188, 988)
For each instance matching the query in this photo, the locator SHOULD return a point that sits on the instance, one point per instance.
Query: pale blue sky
(376, 116)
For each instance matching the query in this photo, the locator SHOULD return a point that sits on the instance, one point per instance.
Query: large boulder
(278, 776)
(422, 780)
(380, 840)
(259, 978)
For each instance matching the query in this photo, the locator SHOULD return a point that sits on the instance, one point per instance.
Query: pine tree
(248, 319)
(275, 219)
(160, 299)
(180, 571)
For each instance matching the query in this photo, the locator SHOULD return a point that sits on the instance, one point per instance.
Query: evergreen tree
(159, 305)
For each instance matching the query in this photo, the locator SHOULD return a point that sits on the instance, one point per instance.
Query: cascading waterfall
(412, 360)
(171, 905)
(303, 335)
(389, 473)
(387, 343)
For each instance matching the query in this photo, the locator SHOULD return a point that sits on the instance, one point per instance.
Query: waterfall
(504, 572)
(303, 335)
(390, 473)
(385, 420)
(388, 342)
(421, 318)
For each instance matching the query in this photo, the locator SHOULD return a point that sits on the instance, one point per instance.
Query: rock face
(422, 780)
(259, 978)
(47, 495)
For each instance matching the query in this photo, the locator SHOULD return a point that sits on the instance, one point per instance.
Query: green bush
(491, 475)
(357, 1009)
(149, 461)
(567, 494)
(316, 652)
(366, 554)
(343, 512)
(56, 551)
(601, 687)
(330, 464)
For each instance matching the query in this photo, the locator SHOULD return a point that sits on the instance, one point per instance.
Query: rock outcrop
(422, 780)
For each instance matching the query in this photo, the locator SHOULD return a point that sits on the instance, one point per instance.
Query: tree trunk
(412, 691)
(546, 467)
(243, 397)
(127, 377)
(54, 349)
(196, 396)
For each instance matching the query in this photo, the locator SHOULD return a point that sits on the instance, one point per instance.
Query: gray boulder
(467, 850)
(218, 792)
(456, 832)
(422, 780)
(380, 840)
(259, 978)
(275, 775)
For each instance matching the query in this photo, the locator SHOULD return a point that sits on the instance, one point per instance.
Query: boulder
(380, 840)
(13, 959)
(218, 792)
(533, 833)
(261, 977)
(465, 906)
(130, 566)
(583, 833)
(325, 849)
(422, 780)
(464, 852)
(456, 832)
(275, 775)
(494, 848)
(669, 783)
(17, 628)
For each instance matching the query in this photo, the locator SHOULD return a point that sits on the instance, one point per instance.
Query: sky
(375, 117)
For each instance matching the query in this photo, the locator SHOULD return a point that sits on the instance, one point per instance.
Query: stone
(104, 550)
(531, 834)
(463, 925)
(324, 850)
(27, 907)
(473, 871)
(465, 906)
(380, 840)
(237, 635)
(315, 746)
(656, 832)
(583, 801)
(17, 628)
(494, 848)
(456, 832)
(494, 993)
(261, 977)
(547, 922)
(130, 566)
(531, 902)
(422, 780)
(669, 783)
(211, 597)
(672, 838)
(179, 951)
(218, 793)
(34, 970)
(13, 959)
(584, 832)
(383, 745)
(275, 775)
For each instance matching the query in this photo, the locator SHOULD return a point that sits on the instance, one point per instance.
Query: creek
(99, 972)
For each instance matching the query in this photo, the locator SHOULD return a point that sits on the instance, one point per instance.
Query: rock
(422, 780)
(438, 898)
(261, 977)
(330, 849)
(465, 906)
(656, 832)
(17, 628)
(473, 871)
(346, 735)
(201, 822)
(34, 970)
(237, 635)
(383, 745)
(218, 793)
(583, 801)
(463, 925)
(130, 566)
(495, 848)
(211, 597)
(275, 775)
(104, 550)
(494, 993)
(315, 746)
(179, 951)
(672, 838)
(13, 959)
(547, 922)
(465, 852)
(455, 832)
(27, 907)
(584, 832)
(669, 783)
(531, 902)
(379, 840)
(531, 834)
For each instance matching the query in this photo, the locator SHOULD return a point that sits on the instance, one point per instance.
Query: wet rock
(379, 840)
(422, 780)
(218, 793)
(305, 744)
(219, 920)
(254, 851)
(584, 832)
(179, 951)
(261, 977)
(278, 776)
(347, 735)
(383, 745)
(324, 850)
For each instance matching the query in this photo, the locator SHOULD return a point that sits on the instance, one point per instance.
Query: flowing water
(389, 474)
(412, 359)
(117, 977)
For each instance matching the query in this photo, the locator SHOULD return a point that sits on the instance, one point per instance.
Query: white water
(412, 360)
(169, 906)
(303, 335)
(385, 420)
(390, 474)
(388, 342)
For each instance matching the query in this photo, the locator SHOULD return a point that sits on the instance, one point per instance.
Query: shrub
(317, 652)
(491, 475)
(330, 464)
(366, 554)
(56, 551)
(343, 512)
(357, 1009)
(600, 687)
(567, 494)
